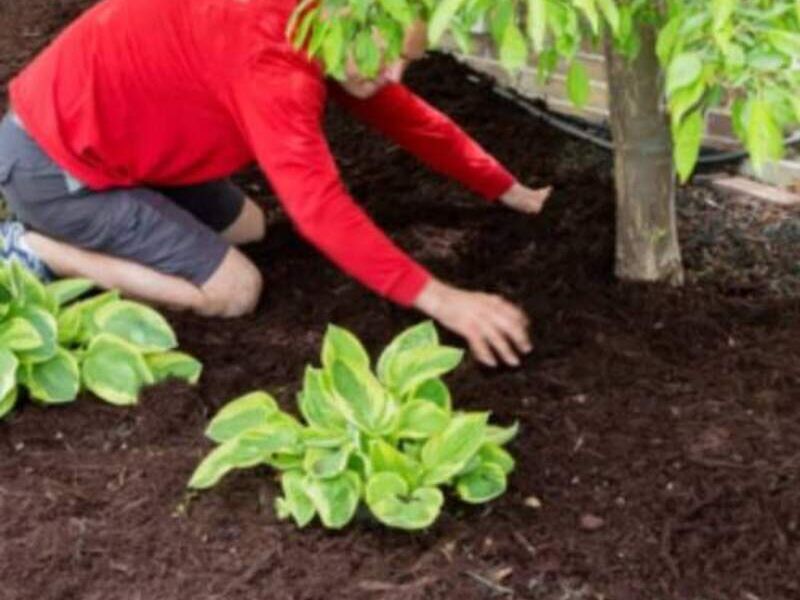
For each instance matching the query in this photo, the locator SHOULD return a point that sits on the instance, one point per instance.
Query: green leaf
(418, 336)
(413, 367)
(537, 23)
(668, 39)
(764, 137)
(441, 18)
(684, 70)
(8, 402)
(494, 454)
(247, 450)
(399, 10)
(448, 452)
(174, 365)
(335, 500)
(325, 463)
(55, 381)
(317, 404)
(385, 457)
(578, 86)
(589, 9)
(500, 436)
(8, 372)
(46, 327)
(115, 370)
(18, 334)
(65, 291)
(361, 398)
(295, 502)
(333, 48)
(367, 54)
(420, 419)
(688, 139)
(435, 391)
(390, 500)
(137, 324)
(76, 322)
(722, 11)
(611, 13)
(28, 286)
(513, 48)
(340, 344)
(251, 411)
(324, 438)
(686, 99)
(787, 42)
(485, 483)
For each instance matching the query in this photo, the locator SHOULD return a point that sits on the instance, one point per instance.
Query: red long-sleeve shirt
(177, 92)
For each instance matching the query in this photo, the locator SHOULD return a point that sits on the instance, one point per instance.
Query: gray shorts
(172, 230)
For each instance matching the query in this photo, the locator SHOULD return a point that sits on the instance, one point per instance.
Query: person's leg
(224, 207)
(232, 290)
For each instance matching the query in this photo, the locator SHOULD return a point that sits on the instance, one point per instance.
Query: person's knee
(234, 289)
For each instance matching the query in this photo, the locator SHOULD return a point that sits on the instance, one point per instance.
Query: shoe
(13, 247)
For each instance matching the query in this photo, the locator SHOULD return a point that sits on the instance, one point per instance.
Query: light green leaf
(441, 18)
(389, 498)
(76, 322)
(317, 404)
(537, 23)
(251, 411)
(46, 327)
(399, 10)
(8, 402)
(764, 137)
(325, 463)
(485, 483)
(686, 99)
(418, 336)
(137, 324)
(500, 436)
(27, 285)
(295, 502)
(513, 48)
(324, 438)
(18, 334)
(8, 372)
(413, 367)
(722, 11)
(64, 291)
(420, 419)
(336, 500)
(589, 9)
(115, 370)
(333, 48)
(367, 55)
(435, 391)
(578, 85)
(385, 457)
(448, 452)
(611, 13)
(340, 344)
(668, 38)
(361, 398)
(55, 381)
(684, 70)
(688, 139)
(174, 365)
(494, 454)
(247, 450)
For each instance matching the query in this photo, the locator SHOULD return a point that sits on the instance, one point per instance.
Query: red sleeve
(431, 136)
(284, 129)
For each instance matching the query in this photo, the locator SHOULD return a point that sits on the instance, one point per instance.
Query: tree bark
(647, 235)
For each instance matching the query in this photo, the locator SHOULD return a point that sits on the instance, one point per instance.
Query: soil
(660, 447)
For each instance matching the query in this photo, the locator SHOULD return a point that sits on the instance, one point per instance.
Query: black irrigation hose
(582, 129)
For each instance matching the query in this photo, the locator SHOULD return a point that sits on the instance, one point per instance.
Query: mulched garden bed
(660, 449)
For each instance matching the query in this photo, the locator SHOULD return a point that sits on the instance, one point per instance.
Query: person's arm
(281, 116)
(431, 136)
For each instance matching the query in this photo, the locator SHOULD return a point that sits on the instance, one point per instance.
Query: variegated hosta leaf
(414, 367)
(447, 453)
(65, 291)
(295, 503)
(501, 435)
(325, 463)
(361, 398)
(46, 327)
(420, 419)
(389, 498)
(28, 287)
(8, 373)
(115, 370)
(486, 482)
(385, 457)
(19, 334)
(336, 499)
(55, 381)
(340, 344)
(251, 411)
(76, 322)
(137, 324)
(8, 402)
(417, 336)
(174, 365)
(317, 403)
(435, 391)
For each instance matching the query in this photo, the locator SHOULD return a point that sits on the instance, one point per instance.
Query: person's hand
(526, 200)
(493, 327)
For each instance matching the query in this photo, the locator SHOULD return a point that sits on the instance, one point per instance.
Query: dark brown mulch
(661, 427)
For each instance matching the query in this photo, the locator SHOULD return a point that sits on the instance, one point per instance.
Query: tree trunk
(647, 236)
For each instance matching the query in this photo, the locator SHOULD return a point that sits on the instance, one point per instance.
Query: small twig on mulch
(385, 586)
(498, 589)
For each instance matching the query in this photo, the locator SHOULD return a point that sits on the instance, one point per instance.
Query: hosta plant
(54, 345)
(387, 437)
